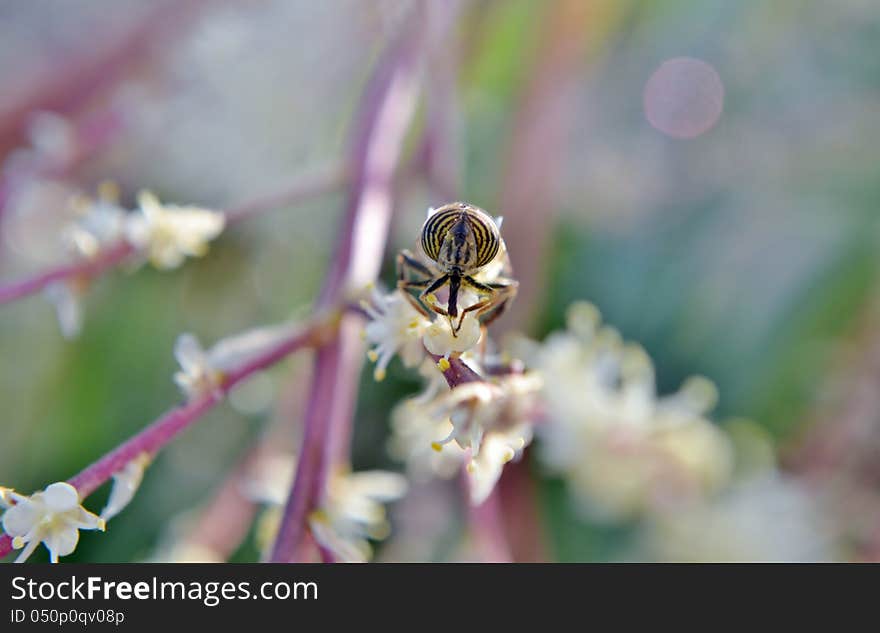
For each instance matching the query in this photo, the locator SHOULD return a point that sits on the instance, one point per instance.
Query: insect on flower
(460, 242)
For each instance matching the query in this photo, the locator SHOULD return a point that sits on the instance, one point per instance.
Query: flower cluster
(623, 448)
(54, 516)
(163, 234)
(589, 397)
(168, 234)
(481, 424)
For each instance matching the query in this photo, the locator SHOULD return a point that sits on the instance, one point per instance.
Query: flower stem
(110, 257)
(383, 119)
(308, 463)
(167, 427)
(117, 253)
(487, 529)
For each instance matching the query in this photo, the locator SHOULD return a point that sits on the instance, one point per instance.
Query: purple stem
(166, 428)
(458, 372)
(385, 112)
(487, 529)
(88, 268)
(308, 465)
(119, 252)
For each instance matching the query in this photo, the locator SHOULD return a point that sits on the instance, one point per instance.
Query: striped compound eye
(462, 236)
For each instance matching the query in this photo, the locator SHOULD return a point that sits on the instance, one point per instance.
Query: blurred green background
(746, 253)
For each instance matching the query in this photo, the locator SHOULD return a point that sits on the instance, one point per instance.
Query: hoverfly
(460, 242)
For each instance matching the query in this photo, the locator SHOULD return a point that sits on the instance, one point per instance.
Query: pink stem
(166, 428)
(105, 260)
(308, 464)
(386, 109)
(487, 529)
(119, 252)
(521, 507)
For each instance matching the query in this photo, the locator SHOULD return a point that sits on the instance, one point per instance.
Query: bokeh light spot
(684, 97)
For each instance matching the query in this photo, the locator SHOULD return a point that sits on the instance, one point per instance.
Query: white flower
(441, 341)
(396, 327)
(170, 233)
(53, 516)
(202, 372)
(471, 409)
(125, 484)
(100, 222)
(354, 512)
(483, 424)
(478, 407)
(499, 447)
(415, 432)
(197, 376)
(66, 297)
(623, 448)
